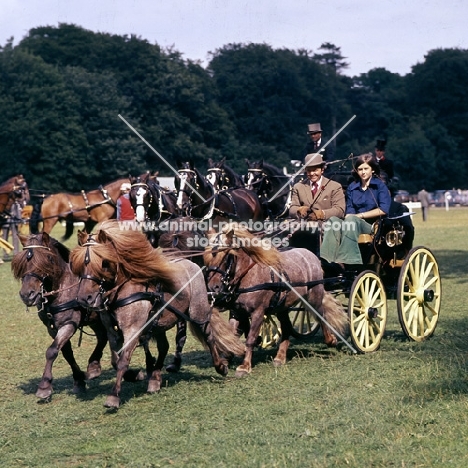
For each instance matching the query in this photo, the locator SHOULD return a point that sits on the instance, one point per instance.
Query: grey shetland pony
(250, 277)
(48, 283)
(141, 294)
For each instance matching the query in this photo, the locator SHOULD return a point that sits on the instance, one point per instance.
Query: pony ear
(247, 162)
(45, 239)
(146, 177)
(210, 162)
(23, 239)
(223, 160)
(102, 236)
(82, 237)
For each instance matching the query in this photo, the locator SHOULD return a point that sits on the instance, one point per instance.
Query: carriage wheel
(367, 311)
(304, 322)
(419, 294)
(270, 332)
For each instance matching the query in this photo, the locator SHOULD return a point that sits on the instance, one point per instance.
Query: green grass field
(405, 405)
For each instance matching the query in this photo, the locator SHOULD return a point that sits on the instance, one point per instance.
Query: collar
(319, 183)
(357, 184)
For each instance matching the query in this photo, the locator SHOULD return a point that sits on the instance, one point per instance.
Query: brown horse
(146, 295)
(89, 207)
(250, 277)
(13, 189)
(48, 283)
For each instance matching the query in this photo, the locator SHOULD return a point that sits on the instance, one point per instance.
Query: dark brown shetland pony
(146, 295)
(89, 207)
(48, 283)
(197, 198)
(248, 276)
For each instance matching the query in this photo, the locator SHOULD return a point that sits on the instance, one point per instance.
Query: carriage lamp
(395, 236)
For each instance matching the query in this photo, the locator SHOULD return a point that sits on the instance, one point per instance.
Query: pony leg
(61, 343)
(181, 338)
(256, 322)
(113, 399)
(94, 361)
(154, 377)
(286, 328)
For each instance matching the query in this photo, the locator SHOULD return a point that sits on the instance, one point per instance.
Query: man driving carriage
(315, 198)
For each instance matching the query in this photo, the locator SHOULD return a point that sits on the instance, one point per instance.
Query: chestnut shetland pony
(248, 276)
(11, 190)
(145, 295)
(89, 207)
(48, 283)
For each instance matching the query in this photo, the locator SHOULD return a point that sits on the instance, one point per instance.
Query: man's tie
(314, 189)
(315, 146)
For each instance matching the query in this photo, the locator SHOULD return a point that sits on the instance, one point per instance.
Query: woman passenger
(367, 199)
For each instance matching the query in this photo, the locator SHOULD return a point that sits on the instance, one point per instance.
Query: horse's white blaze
(183, 180)
(250, 178)
(140, 209)
(211, 178)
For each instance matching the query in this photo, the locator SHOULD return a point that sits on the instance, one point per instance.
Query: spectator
(125, 210)
(424, 198)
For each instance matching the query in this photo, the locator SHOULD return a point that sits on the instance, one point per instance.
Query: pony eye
(105, 264)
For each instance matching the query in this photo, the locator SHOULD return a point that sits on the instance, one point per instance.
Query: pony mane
(46, 257)
(130, 251)
(234, 237)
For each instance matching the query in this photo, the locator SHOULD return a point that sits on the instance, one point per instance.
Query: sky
(393, 34)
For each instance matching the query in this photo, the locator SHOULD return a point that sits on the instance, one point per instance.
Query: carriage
(392, 270)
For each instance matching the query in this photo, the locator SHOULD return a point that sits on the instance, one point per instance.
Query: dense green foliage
(405, 405)
(63, 88)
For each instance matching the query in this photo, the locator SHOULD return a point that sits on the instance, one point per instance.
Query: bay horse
(89, 207)
(250, 277)
(145, 295)
(223, 177)
(48, 283)
(273, 187)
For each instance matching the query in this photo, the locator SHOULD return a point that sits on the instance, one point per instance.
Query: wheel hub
(372, 313)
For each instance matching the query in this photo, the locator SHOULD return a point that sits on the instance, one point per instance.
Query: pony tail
(334, 313)
(220, 334)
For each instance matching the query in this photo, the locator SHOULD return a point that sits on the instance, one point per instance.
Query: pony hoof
(44, 393)
(154, 386)
(222, 370)
(79, 387)
(112, 402)
(278, 363)
(173, 368)
(93, 371)
(242, 372)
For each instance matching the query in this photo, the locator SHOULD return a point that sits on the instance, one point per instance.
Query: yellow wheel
(303, 320)
(418, 294)
(367, 311)
(270, 332)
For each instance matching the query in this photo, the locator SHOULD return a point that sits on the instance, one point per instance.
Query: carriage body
(392, 269)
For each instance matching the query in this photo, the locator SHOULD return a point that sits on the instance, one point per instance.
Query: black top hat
(380, 145)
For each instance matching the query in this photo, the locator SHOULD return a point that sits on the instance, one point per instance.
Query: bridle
(218, 178)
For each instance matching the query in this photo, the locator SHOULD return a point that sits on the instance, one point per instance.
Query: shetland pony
(273, 187)
(48, 283)
(223, 177)
(248, 276)
(141, 294)
(196, 197)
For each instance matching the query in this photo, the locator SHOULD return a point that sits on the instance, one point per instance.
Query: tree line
(62, 90)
